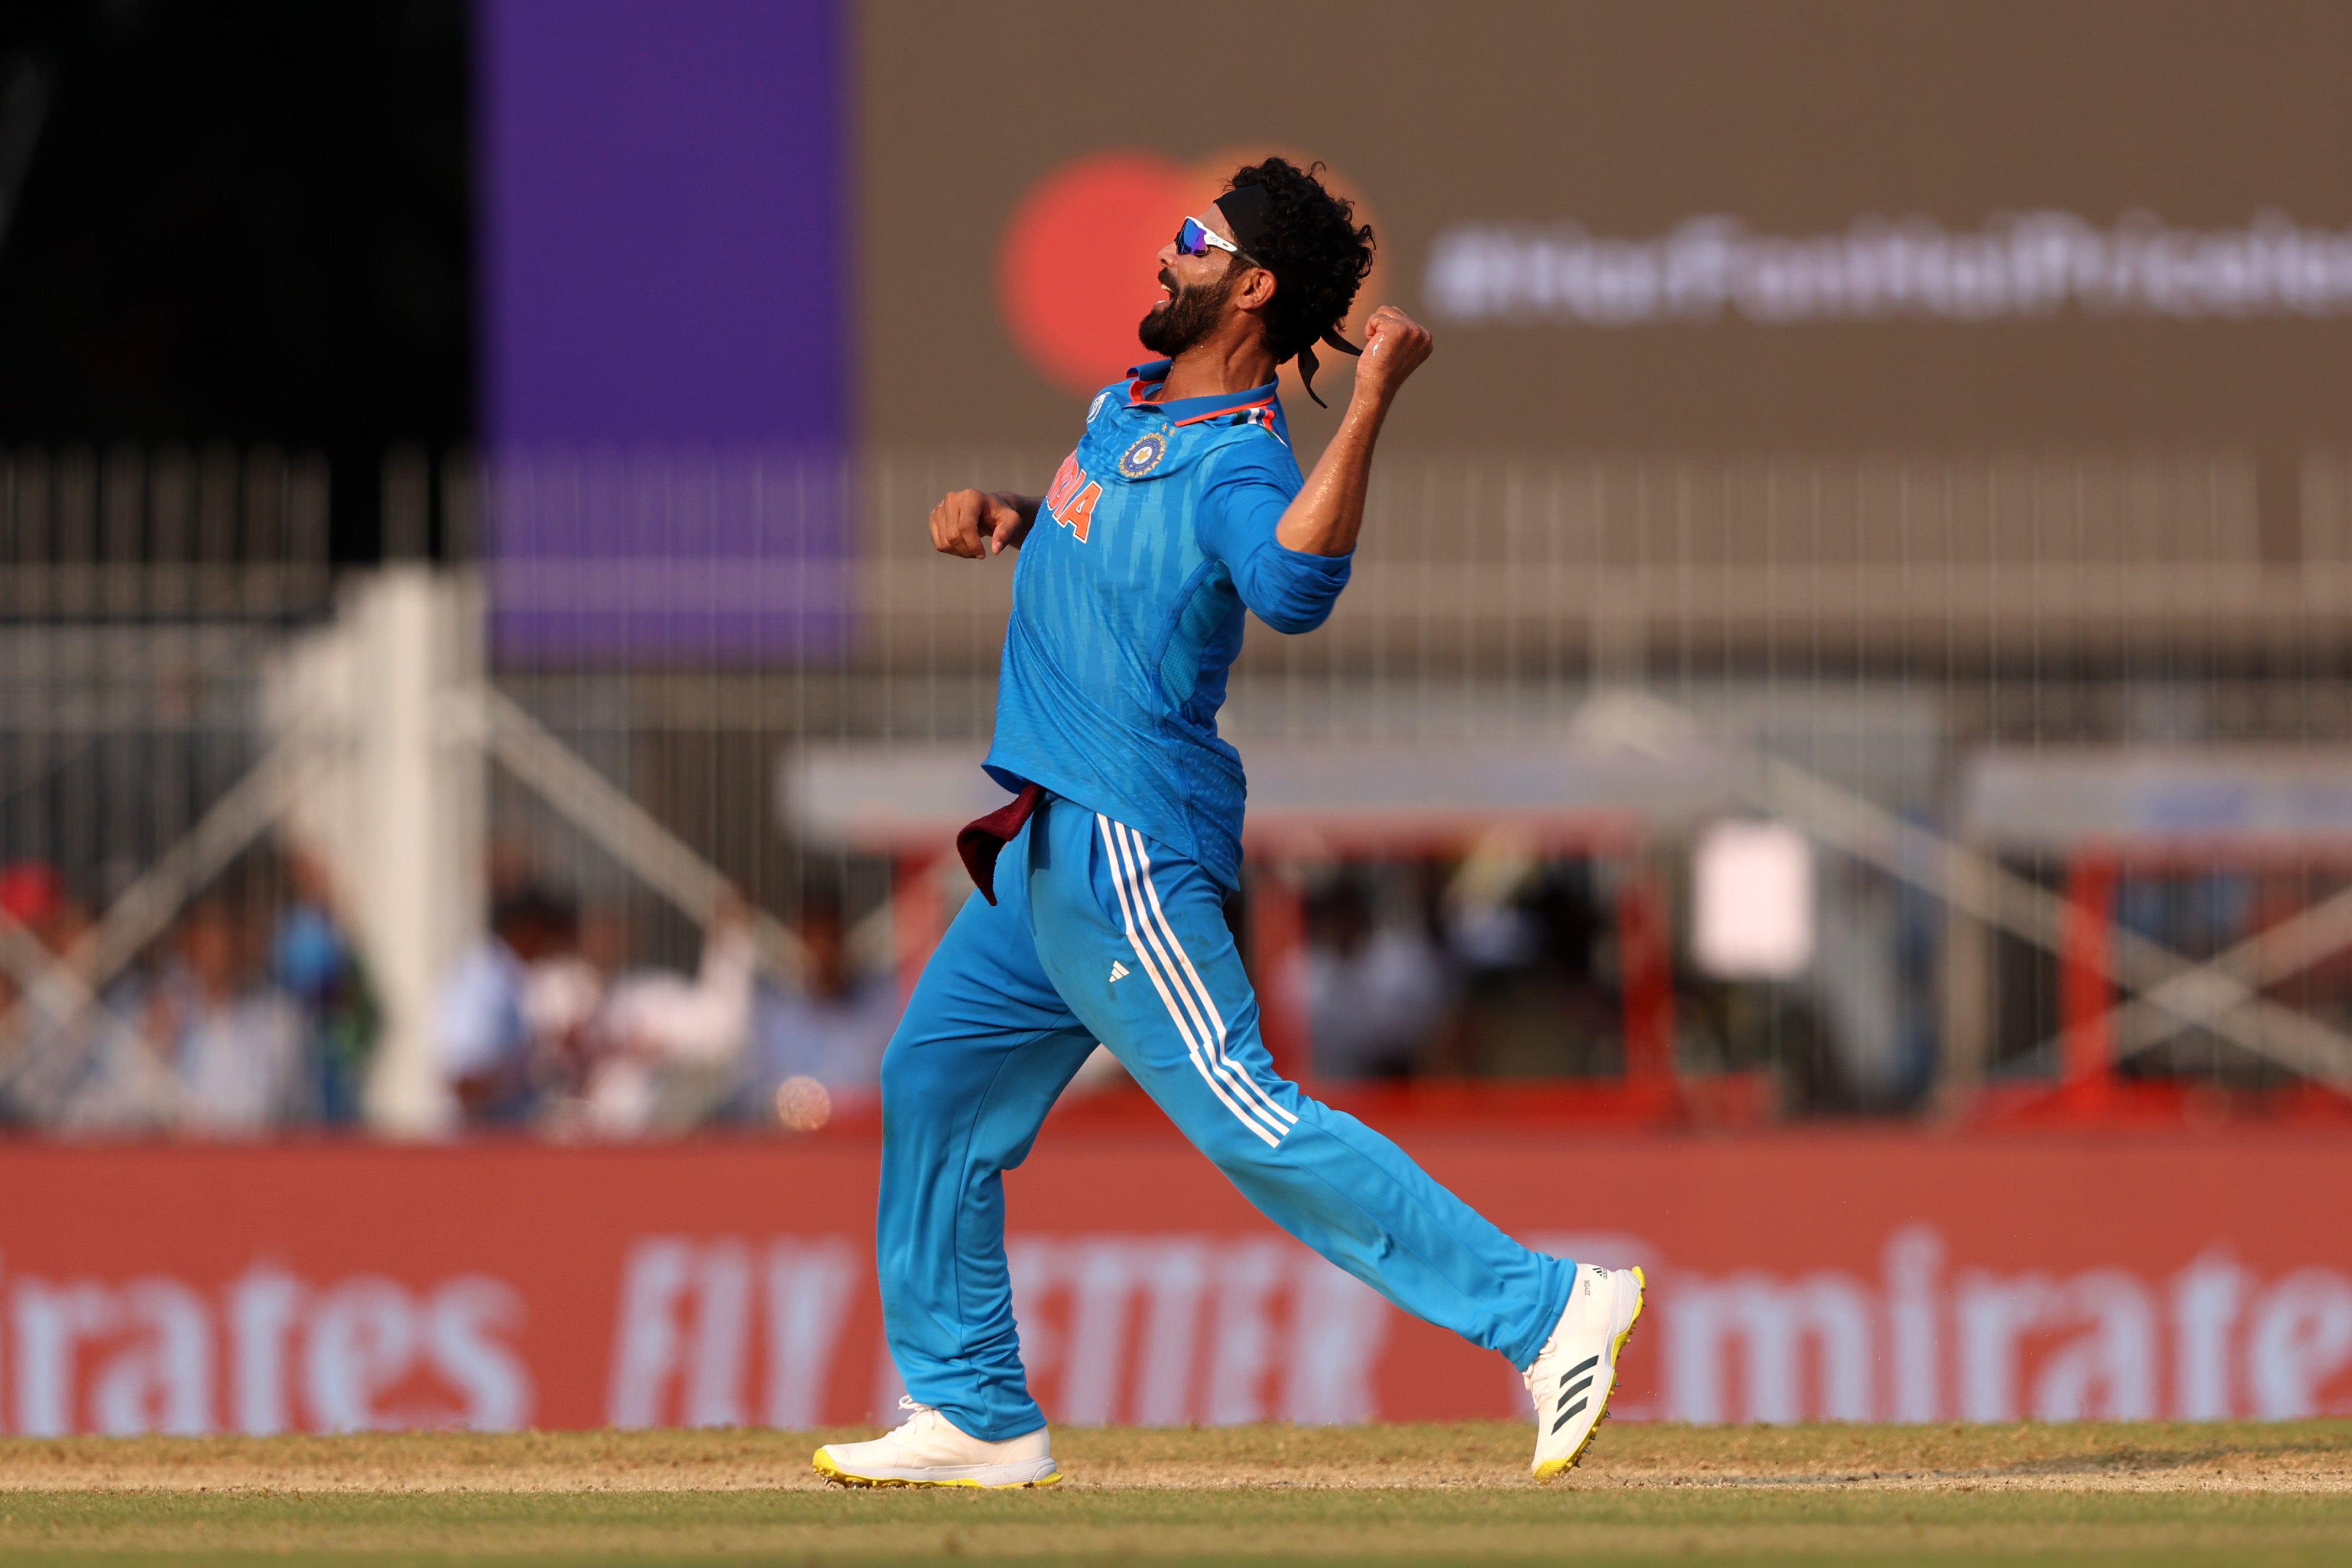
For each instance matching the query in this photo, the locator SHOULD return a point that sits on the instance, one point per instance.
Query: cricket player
(1100, 909)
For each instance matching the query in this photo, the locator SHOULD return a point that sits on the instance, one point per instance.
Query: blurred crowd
(253, 1014)
(545, 1023)
(1417, 968)
(1505, 964)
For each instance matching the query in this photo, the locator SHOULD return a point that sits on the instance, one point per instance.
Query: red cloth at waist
(983, 839)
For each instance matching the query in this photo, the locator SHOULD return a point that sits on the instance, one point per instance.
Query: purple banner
(665, 326)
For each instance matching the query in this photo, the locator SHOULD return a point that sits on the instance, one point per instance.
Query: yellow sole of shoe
(1560, 1467)
(834, 1474)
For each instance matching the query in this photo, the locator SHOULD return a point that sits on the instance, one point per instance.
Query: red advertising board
(1847, 1275)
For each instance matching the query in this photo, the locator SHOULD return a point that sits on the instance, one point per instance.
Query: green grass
(1180, 1525)
(2149, 1494)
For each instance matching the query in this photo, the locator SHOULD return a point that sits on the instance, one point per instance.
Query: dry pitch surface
(2147, 1494)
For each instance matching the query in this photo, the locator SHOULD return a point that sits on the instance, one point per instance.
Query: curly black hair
(1312, 244)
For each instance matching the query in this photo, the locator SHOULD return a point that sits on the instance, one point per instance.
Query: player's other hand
(977, 524)
(1394, 346)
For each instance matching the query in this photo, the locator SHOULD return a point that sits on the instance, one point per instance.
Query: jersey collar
(1150, 377)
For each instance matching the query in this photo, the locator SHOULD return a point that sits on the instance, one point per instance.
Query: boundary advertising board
(1842, 1275)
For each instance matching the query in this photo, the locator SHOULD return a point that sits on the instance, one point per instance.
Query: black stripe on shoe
(1587, 1364)
(1564, 1415)
(1568, 1394)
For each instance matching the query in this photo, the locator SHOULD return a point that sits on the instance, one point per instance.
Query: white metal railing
(169, 533)
(1854, 627)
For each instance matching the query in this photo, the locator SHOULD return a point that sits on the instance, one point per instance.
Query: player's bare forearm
(977, 524)
(1328, 511)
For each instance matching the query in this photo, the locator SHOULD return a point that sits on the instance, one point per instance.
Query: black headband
(1245, 223)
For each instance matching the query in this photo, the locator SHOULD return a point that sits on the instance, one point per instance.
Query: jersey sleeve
(1253, 484)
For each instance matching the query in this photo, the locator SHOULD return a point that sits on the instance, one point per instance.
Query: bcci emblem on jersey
(1143, 454)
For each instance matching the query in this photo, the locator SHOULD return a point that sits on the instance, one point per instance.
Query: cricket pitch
(2091, 1492)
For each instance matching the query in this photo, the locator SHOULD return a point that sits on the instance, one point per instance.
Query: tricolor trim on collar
(1154, 373)
(1266, 402)
(1263, 417)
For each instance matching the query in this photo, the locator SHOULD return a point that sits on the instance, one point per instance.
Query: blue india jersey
(1128, 607)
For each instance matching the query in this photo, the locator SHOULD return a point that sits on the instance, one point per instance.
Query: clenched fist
(1394, 346)
(977, 524)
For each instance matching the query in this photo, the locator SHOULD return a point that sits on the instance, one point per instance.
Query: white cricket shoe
(930, 1451)
(1571, 1380)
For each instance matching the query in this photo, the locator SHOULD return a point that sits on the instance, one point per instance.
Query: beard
(1186, 317)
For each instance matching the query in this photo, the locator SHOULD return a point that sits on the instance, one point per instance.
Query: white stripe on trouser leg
(1126, 909)
(1129, 906)
(1212, 1038)
(1131, 851)
(1173, 996)
(1196, 995)
(1259, 1097)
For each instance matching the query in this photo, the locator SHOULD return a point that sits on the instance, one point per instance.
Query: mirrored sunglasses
(1196, 238)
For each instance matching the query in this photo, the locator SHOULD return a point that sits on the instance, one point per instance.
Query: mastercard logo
(1078, 267)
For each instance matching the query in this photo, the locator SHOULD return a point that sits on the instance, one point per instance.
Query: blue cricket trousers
(1013, 1002)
